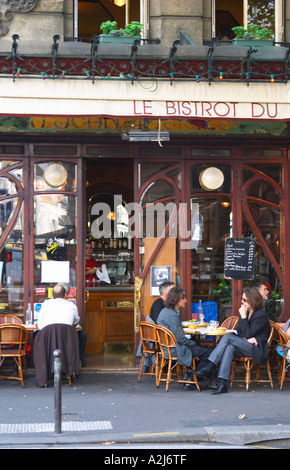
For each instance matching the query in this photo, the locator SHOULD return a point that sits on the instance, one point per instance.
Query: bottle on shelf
(200, 313)
(125, 243)
(29, 315)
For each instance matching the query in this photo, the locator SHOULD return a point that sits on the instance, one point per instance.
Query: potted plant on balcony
(111, 33)
(253, 35)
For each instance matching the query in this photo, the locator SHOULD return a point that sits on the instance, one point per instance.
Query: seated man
(158, 304)
(60, 310)
(156, 308)
(186, 348)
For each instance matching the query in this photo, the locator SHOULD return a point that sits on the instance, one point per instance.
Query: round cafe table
(205, 331)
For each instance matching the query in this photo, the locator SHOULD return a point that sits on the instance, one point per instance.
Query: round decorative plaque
(211, 178)
(55, 175)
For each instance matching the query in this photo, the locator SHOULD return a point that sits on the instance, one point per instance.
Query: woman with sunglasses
(253, 330)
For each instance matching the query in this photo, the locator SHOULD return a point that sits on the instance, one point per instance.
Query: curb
(224, 435)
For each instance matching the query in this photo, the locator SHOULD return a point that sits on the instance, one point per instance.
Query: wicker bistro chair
(283, 342)
(150, 347)
(249, 366)
(10, 319)
(17, 321)
(13, 341)
(228, 323)
(167, 345)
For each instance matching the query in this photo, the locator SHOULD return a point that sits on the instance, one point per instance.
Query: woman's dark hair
(254, 298)
(173, 297)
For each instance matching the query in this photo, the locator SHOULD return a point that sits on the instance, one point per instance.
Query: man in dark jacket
(253, 330)
(156, 308)
(158, 304)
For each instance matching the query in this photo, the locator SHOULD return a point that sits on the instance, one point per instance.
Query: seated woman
(186, 349)
(253, 330)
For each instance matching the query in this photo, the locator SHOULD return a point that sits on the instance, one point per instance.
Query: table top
(207, 331)
(33, 327)
(30, 327)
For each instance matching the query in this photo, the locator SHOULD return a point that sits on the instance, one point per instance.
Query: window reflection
(262, 12)
(6, 212)
(264, 190)
(51, 176)
(158, 190)
(55, 236)
(7, 187)
(11, 271)
(211, 225)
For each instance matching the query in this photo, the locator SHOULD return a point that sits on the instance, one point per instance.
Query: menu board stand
(239, 258)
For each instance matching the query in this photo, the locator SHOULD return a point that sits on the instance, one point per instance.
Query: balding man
(58, 310)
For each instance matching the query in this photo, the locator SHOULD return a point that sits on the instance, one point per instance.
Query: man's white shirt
(58, 311)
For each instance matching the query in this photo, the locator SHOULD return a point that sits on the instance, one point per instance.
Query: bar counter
(109, 316)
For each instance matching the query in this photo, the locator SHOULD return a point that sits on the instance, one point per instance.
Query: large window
(89, 14)
(55, 212)
(211, 224)
(38, 230)
(12, 235)
(268, 14)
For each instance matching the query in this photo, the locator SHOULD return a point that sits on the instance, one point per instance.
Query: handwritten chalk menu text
(239, 258)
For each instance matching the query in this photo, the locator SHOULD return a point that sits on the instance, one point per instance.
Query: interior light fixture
(111, 215)
(120, 3)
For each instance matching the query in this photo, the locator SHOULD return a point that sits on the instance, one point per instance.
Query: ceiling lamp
(111, 215)
(120, 3)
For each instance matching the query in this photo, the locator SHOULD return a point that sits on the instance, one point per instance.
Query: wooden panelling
(109, 319)
(166, 256)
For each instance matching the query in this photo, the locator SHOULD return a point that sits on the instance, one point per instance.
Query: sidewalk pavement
(113, 408)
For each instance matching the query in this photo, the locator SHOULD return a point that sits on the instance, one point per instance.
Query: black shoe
(221, 388)
(187, 375)
(212, 385)
(202, 373)
(188, 386)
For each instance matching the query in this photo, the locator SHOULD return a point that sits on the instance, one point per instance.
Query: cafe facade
(157, 154)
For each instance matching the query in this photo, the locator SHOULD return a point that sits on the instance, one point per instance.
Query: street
(113, 409)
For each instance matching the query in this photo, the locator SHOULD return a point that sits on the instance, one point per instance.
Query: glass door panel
(55, 240)
(211, 224)
(11, 262)
(55, 221)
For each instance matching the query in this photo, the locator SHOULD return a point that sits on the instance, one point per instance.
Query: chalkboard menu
(239, 258)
